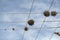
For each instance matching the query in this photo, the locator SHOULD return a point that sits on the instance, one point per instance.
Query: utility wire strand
(22, 13)
(29, 28)
(43, 22)
(23, 35)
(29, 15)
(25, 21)
(31, 9)
(40, 29)
(53, 32)
(51, 4)
(55, 28)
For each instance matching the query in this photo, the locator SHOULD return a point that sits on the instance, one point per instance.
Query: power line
(18, 28)
(51, 4)
(29, 14)
(22, 28)
(23, 35)
(54, 27)
(31, 9)
(25, 21)
(18, 13)
(22, 13)
(43, 23)
(39, 30)
(53, 31)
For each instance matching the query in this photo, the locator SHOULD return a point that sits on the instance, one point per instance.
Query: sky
(14, 14)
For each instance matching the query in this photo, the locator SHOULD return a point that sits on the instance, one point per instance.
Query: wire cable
(54, 31)
(21, 13)
(51, 4)
(29, 15)
(25, 21)
(43, 23)
(31, 9)
(39, 30)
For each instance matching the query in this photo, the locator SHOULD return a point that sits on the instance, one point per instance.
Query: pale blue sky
(21, 9)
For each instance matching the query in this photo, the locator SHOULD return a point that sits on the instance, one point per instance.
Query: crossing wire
(29, 15)
(43, 22)
(53, 32)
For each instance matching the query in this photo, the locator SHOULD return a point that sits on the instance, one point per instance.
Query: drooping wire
(43, 21)
(29, 16)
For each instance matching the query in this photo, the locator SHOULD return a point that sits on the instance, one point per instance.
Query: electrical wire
(22, 13)
(51, 4)
(40, 29)
(54, 31)
(43, 23)
(29, 15)
(25, 21)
